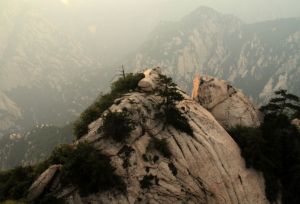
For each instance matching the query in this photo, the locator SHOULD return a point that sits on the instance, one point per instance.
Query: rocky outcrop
(150, 82)
(203, 168)
(228, 105)
(39, 186)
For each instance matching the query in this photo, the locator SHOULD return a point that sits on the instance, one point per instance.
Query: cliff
(202, 166)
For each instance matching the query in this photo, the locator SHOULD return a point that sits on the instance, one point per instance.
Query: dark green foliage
(50, 199)
(171, 96)
(102, 103)
(127, 83)
(145, 158)
(90, 171)
(169, 91)
(83, 167)
(175, 118)
(125, 153)
(61, 154)
(251, 143)
(282, 103)
(274, 149)
(173, 169)
(15, 183)
(117, 126)
(161, 145)
(155, 158)
(148, 181)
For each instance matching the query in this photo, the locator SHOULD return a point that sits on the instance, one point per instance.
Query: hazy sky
(120, 26)
(248, 10)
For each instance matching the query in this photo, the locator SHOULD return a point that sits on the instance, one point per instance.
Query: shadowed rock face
(228, 105)
(204, 168)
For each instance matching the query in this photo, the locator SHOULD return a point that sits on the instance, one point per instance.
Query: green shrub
(148, 181)
(274, 149)
(117, 126)
(175, 118)
(90, 171)
(15, 183)
(251, 142)
(61, 154)
(49, 199)
(121, 86)
(127, 84)
(161, 145)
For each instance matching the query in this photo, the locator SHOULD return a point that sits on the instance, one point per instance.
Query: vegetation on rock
(117, 125)
(161, 145)
(171, 96)
(89, 170)
(274, 148)
(148, 181)
(14, 183)
(125, 84)
(283, 103)
(83, 167)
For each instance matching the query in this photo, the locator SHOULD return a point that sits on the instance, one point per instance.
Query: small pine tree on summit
(169, 91)
(171, 96)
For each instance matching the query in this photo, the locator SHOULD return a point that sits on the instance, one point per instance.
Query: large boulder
(205, 167)
(230, 106)
(39, 186)
(150, 82)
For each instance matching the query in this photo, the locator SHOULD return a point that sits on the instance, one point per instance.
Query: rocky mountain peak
(161, 163)
(230, 106)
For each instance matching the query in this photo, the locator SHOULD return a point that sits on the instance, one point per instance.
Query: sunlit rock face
(230, 106)
(204, 168)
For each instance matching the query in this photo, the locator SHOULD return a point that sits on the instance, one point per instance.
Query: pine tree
(171, 96)
(282, 103)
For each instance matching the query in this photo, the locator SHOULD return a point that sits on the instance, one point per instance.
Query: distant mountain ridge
(45, 73)
(258, 58)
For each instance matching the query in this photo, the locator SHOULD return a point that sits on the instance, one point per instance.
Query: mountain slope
(202, 167)
(33, 146)
(258, 58)
(45, 72)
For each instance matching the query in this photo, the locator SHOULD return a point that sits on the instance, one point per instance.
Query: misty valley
(99, 107)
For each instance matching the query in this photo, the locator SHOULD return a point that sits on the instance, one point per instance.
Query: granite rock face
(230, 106)
(203, 168)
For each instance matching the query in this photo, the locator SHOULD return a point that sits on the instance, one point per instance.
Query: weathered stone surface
(38, 187)
(149, 83)
(228, 105)
(204, 168)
